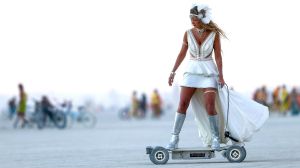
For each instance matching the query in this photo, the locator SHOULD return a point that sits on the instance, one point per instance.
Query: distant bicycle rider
(47, 108)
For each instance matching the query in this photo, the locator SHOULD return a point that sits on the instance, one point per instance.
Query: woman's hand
(221, 81)
(171, 78)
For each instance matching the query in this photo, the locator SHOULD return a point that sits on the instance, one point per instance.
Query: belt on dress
(206, 58)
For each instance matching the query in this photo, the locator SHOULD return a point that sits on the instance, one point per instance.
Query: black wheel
(236, 154)
(60, 120)
(159, 155)
(244, 151)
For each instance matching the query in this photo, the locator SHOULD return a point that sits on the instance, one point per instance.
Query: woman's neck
(200, 30)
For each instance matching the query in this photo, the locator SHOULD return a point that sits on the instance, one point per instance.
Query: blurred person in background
(260, 96)
(255, 95)
(47, 107)
(156, 104)
(143, 105)
(21, 111)
(134, 109)
(298, 98)
(284, 100)
(276, 101)
(264, 95)
(294, 103)
(269, 100)
(12, 107)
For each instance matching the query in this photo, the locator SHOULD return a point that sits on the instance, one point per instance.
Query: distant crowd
(139, 107)
(279, 100)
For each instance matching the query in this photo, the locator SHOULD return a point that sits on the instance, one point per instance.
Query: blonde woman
(202, 84)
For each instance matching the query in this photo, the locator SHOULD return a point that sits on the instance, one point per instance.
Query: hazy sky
(85, 46)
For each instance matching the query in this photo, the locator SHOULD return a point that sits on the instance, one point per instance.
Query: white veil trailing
(245, 116)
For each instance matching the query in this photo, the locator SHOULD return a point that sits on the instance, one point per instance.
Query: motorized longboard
(160, 155)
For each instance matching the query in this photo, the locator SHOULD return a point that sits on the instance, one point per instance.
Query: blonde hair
(212, 26)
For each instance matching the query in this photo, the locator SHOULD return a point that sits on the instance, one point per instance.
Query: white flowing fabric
(245, 115)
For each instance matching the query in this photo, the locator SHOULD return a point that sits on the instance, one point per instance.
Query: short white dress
(201, 70)
(245, 116)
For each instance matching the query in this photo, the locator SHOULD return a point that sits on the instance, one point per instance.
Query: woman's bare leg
(186, 94)
(185, 97)
(210, 96)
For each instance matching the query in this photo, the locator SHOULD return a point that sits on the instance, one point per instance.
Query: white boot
(213, 121)
(179, 120)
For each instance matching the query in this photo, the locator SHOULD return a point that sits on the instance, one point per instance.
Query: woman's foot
(173, 142)
(178, 123)
(215, 144)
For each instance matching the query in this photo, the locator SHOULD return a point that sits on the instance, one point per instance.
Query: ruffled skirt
(200, 74)
(198, 81)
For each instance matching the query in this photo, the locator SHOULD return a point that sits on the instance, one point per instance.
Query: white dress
(245, 115)
(201, 71)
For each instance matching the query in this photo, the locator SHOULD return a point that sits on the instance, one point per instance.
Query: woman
(134, 110)
(294, 104)
(21, 111)
(156, 104)
(201, 80)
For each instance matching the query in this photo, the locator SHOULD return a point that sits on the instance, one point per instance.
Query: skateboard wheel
(236, 154)
(159, 155)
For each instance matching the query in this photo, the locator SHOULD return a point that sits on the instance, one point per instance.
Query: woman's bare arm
(182, 53)
(218, 58)
(180, 58)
